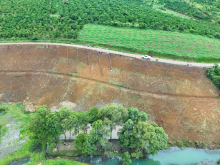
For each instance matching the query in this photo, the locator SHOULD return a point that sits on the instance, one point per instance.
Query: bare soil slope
(180, 99)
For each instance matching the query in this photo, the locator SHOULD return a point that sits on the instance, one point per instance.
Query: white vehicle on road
(146, 57)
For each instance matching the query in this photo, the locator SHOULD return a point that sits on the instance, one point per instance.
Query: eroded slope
(180, 99)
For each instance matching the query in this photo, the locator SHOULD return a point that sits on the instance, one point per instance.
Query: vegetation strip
(163, 43)
(62, 20)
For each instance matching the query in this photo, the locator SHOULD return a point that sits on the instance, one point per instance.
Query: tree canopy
(137, 137)
(63, 20)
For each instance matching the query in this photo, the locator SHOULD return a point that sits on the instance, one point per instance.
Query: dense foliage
(56, 19)
(160, 42)
(206, 10)
(186, 8)
(136, 137)
(214, 74)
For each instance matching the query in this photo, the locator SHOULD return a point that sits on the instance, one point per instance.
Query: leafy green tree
(93, 114)
(125, 135)
(126, 158)
(145, 138)
(45, 126)
(149, 139)
(68, 119)
(99, 134)
(83, 144)
(83, 121)
(99, 130)
(135, 115)
(113, 115)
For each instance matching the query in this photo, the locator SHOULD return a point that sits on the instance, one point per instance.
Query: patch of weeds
(40, 47)
(137, 97)
(180, 144)
(20, 106)
(54, 72)
(115, 70)
(73, 74)
(63, 153)
(62, 161)
(82, 66)
(188, 143)
(3, 131)
(200, 144)
(36, 146)
(120, 85)
(117, 84)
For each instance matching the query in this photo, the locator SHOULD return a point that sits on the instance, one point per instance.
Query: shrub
(180, 144)
(214, 75)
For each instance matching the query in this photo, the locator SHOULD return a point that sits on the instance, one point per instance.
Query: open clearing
(171, 44)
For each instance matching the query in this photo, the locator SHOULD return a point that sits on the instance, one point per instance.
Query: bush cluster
(214, 74)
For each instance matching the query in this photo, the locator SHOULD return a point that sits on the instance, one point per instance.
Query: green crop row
(175, 45)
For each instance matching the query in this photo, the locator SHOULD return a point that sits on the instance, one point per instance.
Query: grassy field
(161, 43)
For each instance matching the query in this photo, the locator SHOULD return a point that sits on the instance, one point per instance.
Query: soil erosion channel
(179, 98)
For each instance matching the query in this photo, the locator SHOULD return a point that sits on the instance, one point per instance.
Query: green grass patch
(16, 113)
(161, 43)
(73, 74)
(62, 162)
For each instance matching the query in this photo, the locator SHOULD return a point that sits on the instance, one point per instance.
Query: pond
(21, 161)
(173, 155)
(1, 112)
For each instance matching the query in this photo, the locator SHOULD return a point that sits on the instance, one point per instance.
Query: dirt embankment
(180, 99)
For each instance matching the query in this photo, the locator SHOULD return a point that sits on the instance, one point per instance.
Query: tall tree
(125, 135)
(83, 121)
(114, 115)
(68, 119)
(99, 134)
(83, 144)
(93, 114)
(45, 126)
(149, 139)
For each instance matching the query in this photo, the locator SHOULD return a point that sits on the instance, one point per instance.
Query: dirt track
(179, 98)
(172, 62)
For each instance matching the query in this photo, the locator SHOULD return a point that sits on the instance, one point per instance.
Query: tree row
(137, 138)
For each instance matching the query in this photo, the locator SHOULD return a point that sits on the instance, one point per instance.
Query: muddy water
(166, 157)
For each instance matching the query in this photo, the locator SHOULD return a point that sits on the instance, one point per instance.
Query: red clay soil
(180, 99)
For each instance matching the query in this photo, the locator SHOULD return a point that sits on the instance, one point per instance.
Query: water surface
(174, 155)
(21, 161)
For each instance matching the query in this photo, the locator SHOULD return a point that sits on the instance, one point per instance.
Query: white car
(146, 57)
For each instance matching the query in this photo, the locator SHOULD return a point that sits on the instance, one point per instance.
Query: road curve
(138, 56)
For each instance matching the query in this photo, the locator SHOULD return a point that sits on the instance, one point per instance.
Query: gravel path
(166, 61)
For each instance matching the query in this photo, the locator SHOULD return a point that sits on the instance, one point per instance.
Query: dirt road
(166, 61)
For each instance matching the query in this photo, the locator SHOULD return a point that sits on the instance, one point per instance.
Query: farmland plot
(172, 44)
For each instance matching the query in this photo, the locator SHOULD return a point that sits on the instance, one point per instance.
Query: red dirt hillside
(181, 99)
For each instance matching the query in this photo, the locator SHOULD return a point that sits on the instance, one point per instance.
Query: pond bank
(174, 155)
